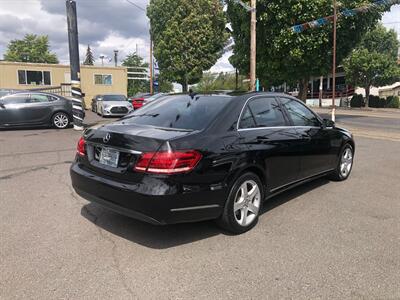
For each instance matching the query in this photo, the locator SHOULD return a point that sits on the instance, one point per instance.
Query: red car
(137, 100)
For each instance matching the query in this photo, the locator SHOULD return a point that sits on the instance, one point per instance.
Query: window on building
(101, 79)
(34, 77)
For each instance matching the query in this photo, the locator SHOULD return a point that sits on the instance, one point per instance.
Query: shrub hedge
(375, 101)
(392, 102)
(357, 101)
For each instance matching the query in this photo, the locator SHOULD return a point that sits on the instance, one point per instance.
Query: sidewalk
(391, 113)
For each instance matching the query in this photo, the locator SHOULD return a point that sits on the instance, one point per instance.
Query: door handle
(306, 137)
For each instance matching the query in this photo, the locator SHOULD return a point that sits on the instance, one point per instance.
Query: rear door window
(300, 114)
(247, 120)
(262, 112)
(39, 98)
(16, 99)
(180, 112)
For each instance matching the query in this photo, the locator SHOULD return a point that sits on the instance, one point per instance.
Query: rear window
(180, 112)
(114, 98)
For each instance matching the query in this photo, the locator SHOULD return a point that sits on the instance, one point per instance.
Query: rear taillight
(80, 149)
(171, 162)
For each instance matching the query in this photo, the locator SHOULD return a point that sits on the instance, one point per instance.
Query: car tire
(60, 120)
(243, 206)
(344, 164)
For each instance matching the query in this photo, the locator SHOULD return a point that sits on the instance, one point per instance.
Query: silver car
(113, 105)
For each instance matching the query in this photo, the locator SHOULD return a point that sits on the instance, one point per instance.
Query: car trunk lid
(114, 149)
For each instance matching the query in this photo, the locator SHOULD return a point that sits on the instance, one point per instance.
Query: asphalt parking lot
(322, 240)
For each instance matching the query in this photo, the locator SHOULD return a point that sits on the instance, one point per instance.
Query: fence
(341, 93)
(63, 90)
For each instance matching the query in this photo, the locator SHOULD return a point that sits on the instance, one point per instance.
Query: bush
(382, 103)
(373, 101)
(392, 102)
(376, 102)
(356, 100)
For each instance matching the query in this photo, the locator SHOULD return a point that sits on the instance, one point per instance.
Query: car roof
(16, 92)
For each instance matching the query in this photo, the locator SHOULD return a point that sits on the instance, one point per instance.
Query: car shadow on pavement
(164, 237)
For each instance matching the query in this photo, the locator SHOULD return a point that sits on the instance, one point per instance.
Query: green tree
(33, 49)
(286, 56)
(164, 85)
(189, 37)
(137, 86)
(89, 60)
(374, 61)
(219, 82)
(206, 83)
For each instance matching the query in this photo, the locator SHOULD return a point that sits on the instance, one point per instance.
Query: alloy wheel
(247, 203)
(346, 162)
(61, 121)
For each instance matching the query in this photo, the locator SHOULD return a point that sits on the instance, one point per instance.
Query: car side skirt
(289, 186)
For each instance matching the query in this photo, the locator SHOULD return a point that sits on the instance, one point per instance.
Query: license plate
(109, 157)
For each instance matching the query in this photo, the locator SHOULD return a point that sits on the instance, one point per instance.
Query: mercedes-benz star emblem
(107, 138)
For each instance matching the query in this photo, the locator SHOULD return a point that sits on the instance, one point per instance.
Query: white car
(113, 105)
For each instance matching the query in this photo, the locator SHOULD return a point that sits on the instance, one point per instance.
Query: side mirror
(2, 105)
(328, 123)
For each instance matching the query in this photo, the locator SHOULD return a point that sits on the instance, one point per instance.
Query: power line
(137, 6)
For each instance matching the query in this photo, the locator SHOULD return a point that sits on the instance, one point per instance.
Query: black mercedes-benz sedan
(31, 109)
(191, 158)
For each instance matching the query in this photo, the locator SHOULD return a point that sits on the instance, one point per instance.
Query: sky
(105, 25)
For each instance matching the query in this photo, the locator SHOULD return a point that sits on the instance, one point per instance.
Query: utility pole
(334, 62)
(77, 99)
(253, 45)
(236, 79)
(151, 65)
(321, 87)
(116, 58)
(151, 48)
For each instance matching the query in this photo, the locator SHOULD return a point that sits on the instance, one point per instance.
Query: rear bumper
(153, 200)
